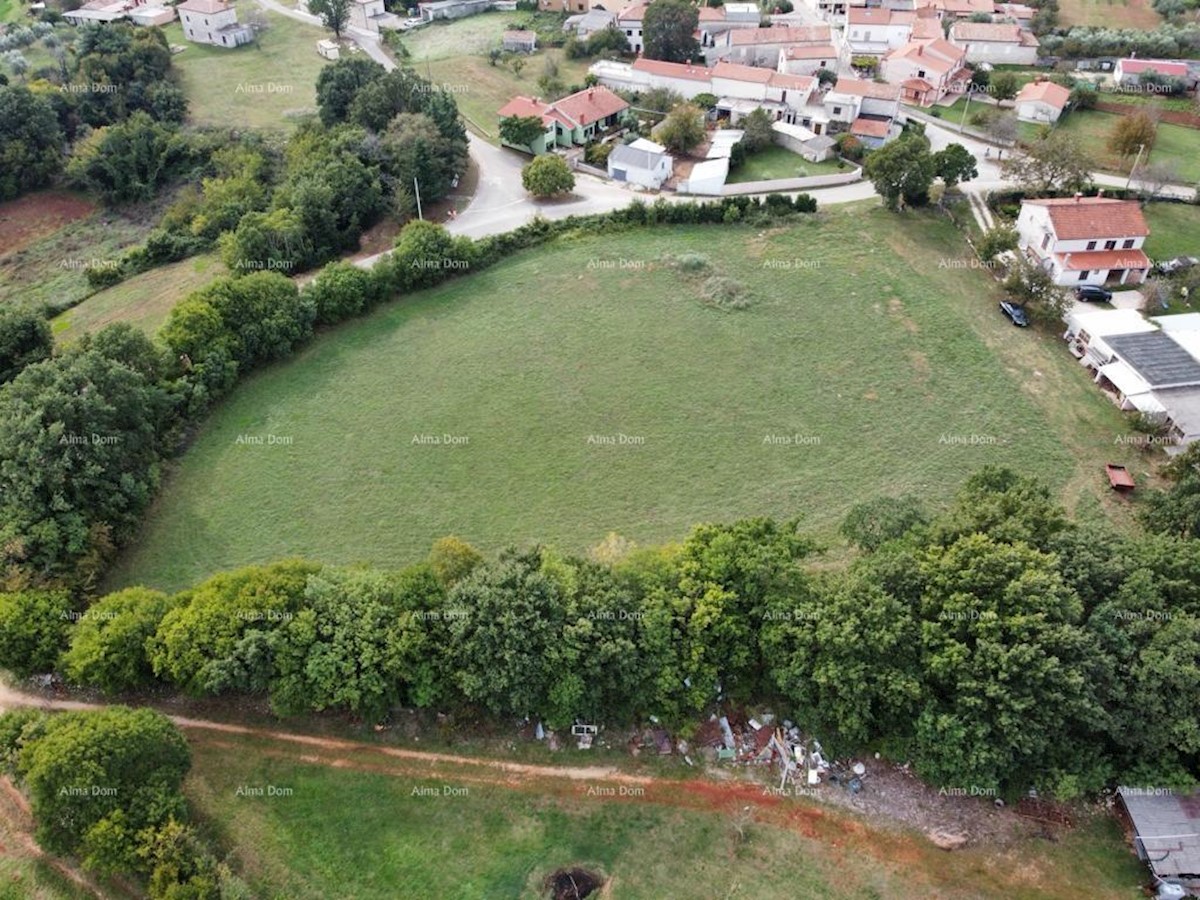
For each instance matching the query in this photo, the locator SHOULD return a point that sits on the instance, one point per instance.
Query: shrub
(105, 274)
(25, 338)
(548, 176)
(340, 291)
(34, 628)
(108, 646)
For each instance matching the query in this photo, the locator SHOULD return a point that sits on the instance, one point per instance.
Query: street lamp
(1136, 160)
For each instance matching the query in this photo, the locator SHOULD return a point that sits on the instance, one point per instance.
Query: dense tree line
(83, 434)
(996, 645)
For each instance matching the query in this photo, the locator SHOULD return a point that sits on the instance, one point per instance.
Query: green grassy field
(348, 833)
(779, 162)
(871, 338)
(1175, 143)
(262, 85)
(143, 301)
(1174, 230)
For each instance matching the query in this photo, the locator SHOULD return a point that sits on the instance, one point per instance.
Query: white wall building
(1085, 240)
(995, 42)
(213, 22)
(643, 163)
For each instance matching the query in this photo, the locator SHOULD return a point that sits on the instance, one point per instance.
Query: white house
(368, 14)
(960, 9)
(870, 109)
(808, 60)
(1128, 72)
(995, 42)
(742, 89)
(1041, 101)
(213, 22)
(873, 31)
(761, 46)
(1085, 240)
(926, 71)
(519, 41)
(643, 162)
(1019, 13)
(587, 24)
(629, 20)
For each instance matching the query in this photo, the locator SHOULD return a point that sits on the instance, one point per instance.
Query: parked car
(1093, 293)
(1016, 312)
(1178, 264)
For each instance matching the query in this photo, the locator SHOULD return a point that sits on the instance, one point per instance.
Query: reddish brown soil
(28, 218)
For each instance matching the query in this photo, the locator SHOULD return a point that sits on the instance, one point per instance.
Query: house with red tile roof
(995, 42)
(574, 120)
(761, 46)
(1041, 101)
(1128, 72)
(1085, 240)
(874, 30)
(809, 60)
(213, 22)
(926, 71)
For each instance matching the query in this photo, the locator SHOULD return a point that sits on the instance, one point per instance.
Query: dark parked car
(1016, 312)
(1089, 293)
(1178, 264)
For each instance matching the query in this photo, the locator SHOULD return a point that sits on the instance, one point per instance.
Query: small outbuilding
(707, 177)
(1041, 101)
(519, 41)
(642, 162)
(1166, 833)
(328, 49)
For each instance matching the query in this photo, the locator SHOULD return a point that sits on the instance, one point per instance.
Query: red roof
(738, 72)
(809, 34)
(525, 106)
(860, 87)
(671, 70)
(875, 15)
(1044, 92)
(1161, 66)
(916, 84)
(1085, 218)
(988, 32)
(632, 13)
(589, 105)
(825, 51)
(711, 14)
(926, 30)
(1085, 261)
(869, 128)
(792, 82)
(204, 7)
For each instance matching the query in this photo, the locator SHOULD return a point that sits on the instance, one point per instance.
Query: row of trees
(83, 433)
(997, 645)
(105, 787)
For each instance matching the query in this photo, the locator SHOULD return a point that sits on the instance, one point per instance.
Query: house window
(837, 110)
(920, 73)
(1091, 245)
(1045, 241)
(1128, 245)
(1083, 275)
(1110, 245)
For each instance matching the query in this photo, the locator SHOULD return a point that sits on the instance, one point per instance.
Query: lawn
(347, 831)
(779, 162)
(143, 301)
(470, 36)
(1175, 143)
(872, 344)
(267, 84)
(1174, 230)
(1137, 14)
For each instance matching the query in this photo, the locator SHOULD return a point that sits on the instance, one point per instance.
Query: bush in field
(34, 629)
(340, 291)
(24, 338)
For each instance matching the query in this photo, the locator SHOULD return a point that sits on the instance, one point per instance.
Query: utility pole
(417, 188)
(962, 125)
(1136, 160)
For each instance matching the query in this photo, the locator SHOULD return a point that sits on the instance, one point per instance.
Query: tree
(205, 644)
(1033, 288)
(548, 176)
(668, 28)
(414, 149)
(96, 780)
(274, 241)
(1133, 133)
(338, 85)
(505, 641)
(682, 129)
(902, 172)
(705, 101)
(341, 291)
(1155, 175)
(758, 131)
(335, 14)
(108, 645)
(80, 442)
(871, 524)
(453, 559)
(826, 76)
(1057, 162)
(25, 338)
(996, 240)
(31, 141)
(954, 165)
(338, 651)
(663, 100)
(34, 629)
(1003, 85)
(1003, 129)
(128, 161)
(425, 255)
(1006, 662)
(1005, 506)
(521, 131)
(1176, 511)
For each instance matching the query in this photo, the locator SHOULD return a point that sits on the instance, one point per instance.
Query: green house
(572, 121)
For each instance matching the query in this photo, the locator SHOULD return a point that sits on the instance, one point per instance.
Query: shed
(643, 162)
(707, 177)
(519, 41)
(152, 15)
(328, 49)
(1166, 832)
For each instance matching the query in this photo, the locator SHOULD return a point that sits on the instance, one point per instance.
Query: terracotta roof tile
(1085, 218)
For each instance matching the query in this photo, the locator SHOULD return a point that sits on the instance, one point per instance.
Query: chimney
(1100, 193)
(591, 91)
(1078, 196)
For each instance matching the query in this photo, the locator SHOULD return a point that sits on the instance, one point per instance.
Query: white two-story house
(874, 30)
(995, 42)
(1085, 240)
(761, 46)
(926, 71)
(213, 22)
